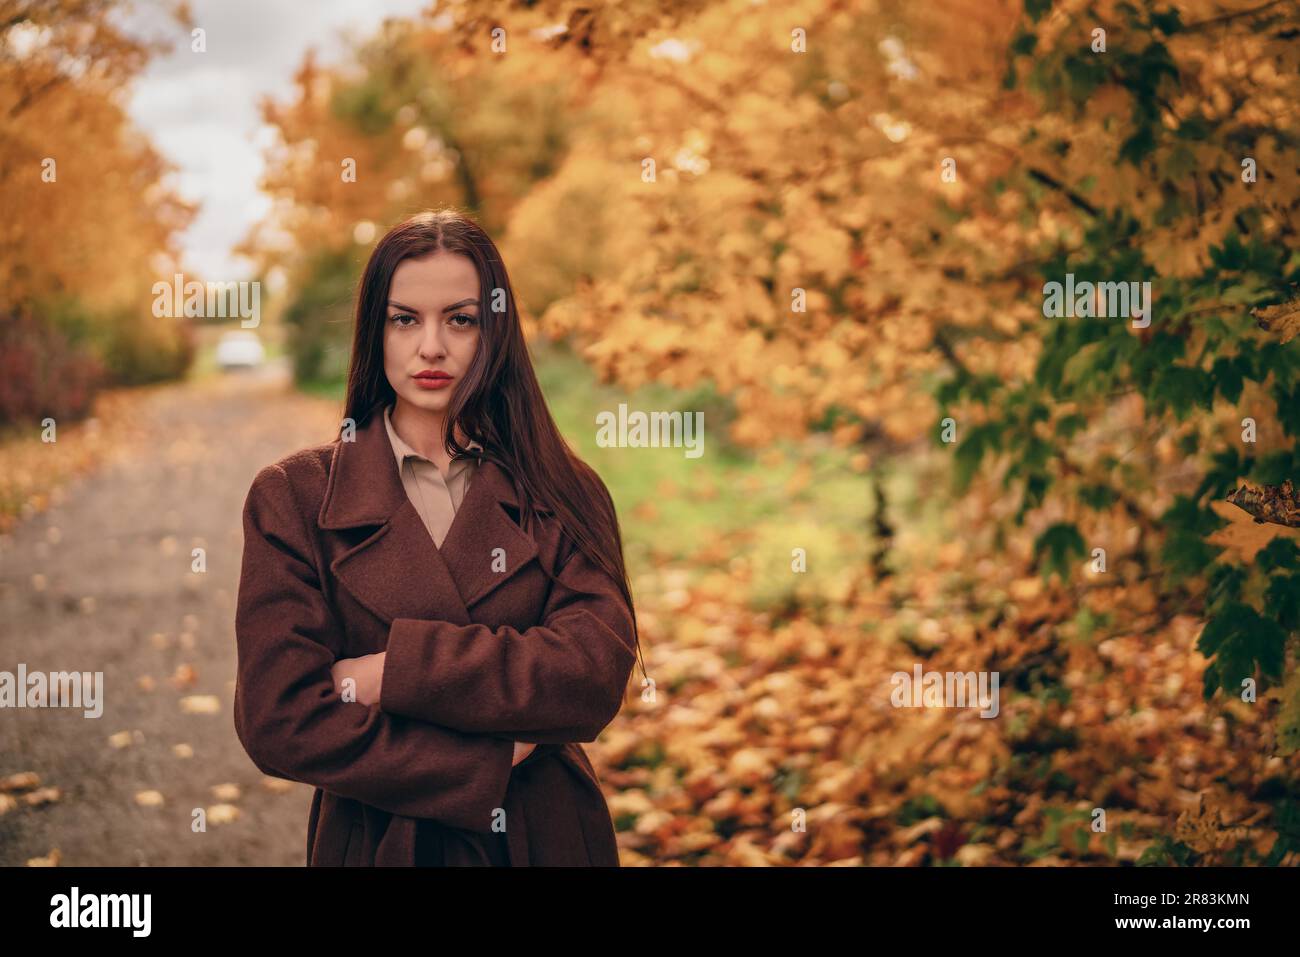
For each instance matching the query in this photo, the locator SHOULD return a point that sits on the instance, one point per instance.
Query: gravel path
(102, 581)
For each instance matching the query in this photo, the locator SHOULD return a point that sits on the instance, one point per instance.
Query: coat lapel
(398, 572)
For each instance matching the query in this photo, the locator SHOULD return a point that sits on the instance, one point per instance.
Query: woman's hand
(367, 672)
(522, 750)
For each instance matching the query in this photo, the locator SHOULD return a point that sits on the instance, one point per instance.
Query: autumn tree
(89, 225)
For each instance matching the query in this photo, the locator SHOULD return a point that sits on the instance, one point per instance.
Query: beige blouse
(434, 496)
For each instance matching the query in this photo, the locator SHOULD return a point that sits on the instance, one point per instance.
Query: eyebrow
(454, 305)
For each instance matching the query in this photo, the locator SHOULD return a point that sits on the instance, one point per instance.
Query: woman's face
(432, 327)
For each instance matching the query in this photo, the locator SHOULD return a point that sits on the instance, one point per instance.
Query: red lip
(431, 380)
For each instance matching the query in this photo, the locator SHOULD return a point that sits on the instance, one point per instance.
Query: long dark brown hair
(499, 404)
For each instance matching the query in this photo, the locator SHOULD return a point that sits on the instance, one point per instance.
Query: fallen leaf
(42, 796)
(201, 704)
(20, 781)
(1281, 319)
(226, 792)
(222, 813)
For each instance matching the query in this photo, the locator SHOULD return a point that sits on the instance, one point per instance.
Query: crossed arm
(367, 674)
(289, 718)
(562, 680)
(453, 700)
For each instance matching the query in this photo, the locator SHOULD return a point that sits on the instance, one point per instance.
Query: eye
(399, 316)
(470, 320)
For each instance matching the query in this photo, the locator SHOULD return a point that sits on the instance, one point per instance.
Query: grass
(675, 501)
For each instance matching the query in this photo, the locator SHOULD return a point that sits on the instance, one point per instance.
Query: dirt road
(103, 581)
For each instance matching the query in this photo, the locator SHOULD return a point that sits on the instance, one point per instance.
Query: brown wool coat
(482, 651)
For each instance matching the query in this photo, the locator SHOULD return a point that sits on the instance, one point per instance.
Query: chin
(432, 401)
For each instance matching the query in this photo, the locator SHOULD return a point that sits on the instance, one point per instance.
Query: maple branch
(981, 332)
(31, 95)
(691, 93)
(945, 347)
(1034, 173)
(466, 176)
(1071, 195)
(883, 531)
(1225, 17)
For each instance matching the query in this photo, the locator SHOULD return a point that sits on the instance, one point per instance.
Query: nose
(431, 343)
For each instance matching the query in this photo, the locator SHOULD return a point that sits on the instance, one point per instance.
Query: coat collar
(402, 450)
(398, 572)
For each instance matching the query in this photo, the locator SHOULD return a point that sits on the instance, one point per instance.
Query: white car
(240, 348)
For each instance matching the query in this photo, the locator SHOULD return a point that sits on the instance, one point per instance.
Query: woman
(433, 608)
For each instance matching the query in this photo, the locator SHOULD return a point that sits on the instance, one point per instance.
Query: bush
(320, 319)
(135, 348)
(139, 348)
(42, 372)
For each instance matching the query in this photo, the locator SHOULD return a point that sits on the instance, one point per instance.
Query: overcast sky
(201, 109)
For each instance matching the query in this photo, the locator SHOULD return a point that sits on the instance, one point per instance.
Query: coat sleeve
(561, 680)
(294, 725)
